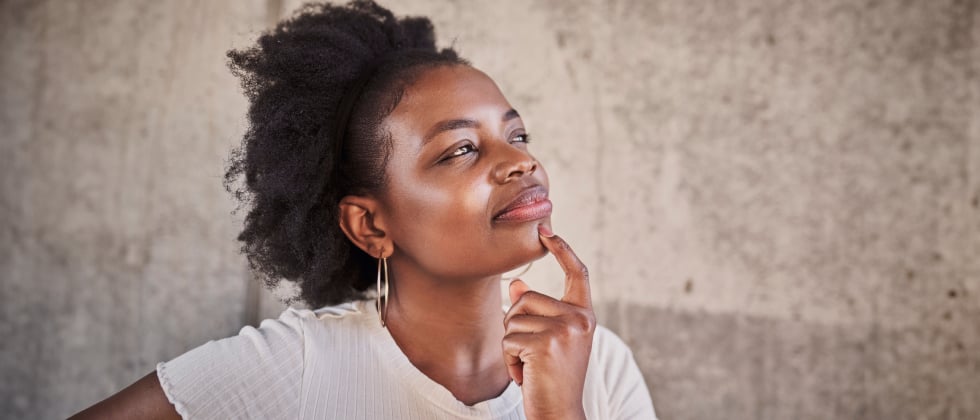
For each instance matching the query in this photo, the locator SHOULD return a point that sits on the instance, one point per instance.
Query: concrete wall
(779, 201)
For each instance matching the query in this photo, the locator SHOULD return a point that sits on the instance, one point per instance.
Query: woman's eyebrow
(456, 124)
(448, 125)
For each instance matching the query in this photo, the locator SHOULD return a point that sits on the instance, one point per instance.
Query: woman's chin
(528, 247)
(536, 249)
(528, 258)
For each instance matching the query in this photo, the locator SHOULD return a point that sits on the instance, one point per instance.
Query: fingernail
(544, 231)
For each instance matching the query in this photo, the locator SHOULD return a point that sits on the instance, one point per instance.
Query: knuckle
(512, 320)
(566, 332)
(590, 322)
(509, 342)
(562, 245)
(583, 271)
(584, 321)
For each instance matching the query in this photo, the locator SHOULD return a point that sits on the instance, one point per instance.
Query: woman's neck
(450, 330)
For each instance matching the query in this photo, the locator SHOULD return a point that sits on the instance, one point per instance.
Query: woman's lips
(531, 204)
(526, 213)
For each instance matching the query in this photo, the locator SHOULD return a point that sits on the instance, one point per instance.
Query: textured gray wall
(779, 200)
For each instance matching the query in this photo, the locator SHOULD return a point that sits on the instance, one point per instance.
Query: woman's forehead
(447, 93)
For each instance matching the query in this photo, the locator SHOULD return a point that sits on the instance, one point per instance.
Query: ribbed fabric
(338, 363)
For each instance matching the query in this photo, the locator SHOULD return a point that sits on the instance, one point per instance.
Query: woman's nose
(514, 164)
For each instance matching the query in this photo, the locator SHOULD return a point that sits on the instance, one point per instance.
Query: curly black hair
(308, 144)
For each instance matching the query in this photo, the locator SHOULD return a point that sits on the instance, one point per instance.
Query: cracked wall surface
(779, 202)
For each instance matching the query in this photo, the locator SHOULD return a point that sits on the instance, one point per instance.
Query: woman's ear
(360, 221)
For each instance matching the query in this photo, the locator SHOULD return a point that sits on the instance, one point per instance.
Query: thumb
(517, 288)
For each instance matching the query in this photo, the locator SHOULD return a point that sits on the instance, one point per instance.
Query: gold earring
(383, 266)
(523, 272)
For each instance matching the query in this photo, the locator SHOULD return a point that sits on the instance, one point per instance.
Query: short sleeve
(255, 374)
(627, 393)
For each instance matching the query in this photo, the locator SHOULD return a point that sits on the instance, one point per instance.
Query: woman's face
(464, 195)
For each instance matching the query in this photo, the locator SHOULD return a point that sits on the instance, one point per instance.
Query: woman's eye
(462, 150)
(522, 138)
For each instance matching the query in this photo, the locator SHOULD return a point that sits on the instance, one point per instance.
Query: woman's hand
(547, 342)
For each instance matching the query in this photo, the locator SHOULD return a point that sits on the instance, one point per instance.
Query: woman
(377, 164)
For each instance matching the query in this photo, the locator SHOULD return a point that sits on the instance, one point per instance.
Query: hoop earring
(523, 272)
(382, 266)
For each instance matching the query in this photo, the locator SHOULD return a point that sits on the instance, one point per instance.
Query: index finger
(577, 290)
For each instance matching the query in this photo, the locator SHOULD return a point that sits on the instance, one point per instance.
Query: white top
(338, 363)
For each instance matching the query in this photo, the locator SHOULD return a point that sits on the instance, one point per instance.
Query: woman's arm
(144, 399)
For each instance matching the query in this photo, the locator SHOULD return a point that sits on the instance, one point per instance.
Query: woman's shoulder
(327, 318)
(205, 381)
(350, 309)
(335, 327)
(296, 325)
